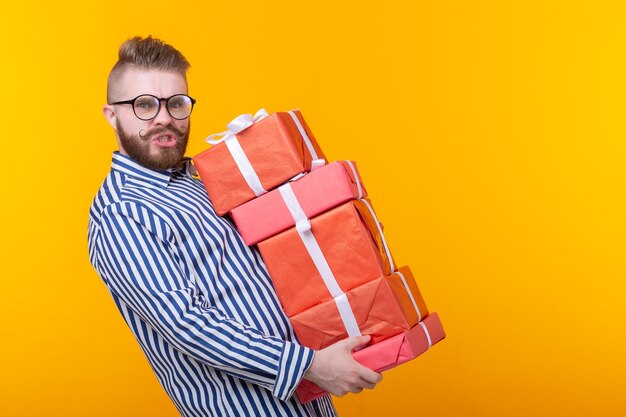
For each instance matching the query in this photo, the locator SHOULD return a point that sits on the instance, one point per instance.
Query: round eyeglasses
(147, 106)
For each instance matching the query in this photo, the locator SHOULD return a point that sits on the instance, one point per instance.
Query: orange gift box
(351, 242)
(387, 354)
(276, 151)
(382, 308)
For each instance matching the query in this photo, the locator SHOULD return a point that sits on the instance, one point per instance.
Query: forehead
(135, 82)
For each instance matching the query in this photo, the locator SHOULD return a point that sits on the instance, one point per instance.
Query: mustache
(169, 128)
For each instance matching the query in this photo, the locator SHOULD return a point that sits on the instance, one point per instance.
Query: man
(199, 301)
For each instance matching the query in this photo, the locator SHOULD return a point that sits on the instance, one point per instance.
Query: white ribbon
(408, 291)
(317, 162)
(303, 227)
(356, 179)
(430, 343)
(238, 124)
(382, 236)
(347, 316)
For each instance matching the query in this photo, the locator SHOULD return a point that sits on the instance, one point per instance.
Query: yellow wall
(490, 135)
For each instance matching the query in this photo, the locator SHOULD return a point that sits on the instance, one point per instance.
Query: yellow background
(490, 135)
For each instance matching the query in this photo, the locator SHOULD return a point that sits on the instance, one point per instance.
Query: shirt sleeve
(135, 256)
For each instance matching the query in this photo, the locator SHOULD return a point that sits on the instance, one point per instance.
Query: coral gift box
(389, 353)
(342, 249)
(255, 157)
(316, 192)
(382, 308)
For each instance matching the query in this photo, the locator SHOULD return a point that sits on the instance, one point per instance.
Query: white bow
(238, 124)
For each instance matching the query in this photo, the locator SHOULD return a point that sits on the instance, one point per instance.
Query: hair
(148, 54)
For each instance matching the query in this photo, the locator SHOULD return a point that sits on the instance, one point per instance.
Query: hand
(335, 370)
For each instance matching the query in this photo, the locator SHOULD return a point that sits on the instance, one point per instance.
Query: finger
(356, 390)
(367, 384)
(339, 393)
(357, 341)
(369, 375)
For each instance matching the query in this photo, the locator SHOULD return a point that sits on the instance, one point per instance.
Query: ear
(109, 113)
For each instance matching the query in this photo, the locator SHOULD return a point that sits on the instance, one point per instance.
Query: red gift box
(258, 158)
(343, 249)
(317, 192)
(387, 354)
(381, 308)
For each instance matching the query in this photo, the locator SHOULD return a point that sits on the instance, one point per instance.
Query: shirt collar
(125, 164)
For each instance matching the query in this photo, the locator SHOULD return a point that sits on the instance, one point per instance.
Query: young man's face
(159, 143)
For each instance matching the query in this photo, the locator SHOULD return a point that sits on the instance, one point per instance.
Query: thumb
(357, 341)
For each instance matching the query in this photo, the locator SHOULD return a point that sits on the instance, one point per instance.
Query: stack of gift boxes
(320, 238)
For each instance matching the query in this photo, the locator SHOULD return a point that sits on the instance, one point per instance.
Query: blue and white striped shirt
(199, 301)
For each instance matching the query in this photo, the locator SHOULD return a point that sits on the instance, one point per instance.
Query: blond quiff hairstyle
(148, 54)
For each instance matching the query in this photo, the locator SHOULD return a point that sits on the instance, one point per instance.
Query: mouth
(164, 140)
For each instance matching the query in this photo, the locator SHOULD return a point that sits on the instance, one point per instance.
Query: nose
(163, 116)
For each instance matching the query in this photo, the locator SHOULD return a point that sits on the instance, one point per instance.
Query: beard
(139, 147)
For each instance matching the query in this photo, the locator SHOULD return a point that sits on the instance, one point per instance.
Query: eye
(178, 102)
(147, 103)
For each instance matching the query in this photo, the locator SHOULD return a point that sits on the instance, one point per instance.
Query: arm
(135, 256)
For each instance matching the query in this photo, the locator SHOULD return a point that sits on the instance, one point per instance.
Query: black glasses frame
(159, 100)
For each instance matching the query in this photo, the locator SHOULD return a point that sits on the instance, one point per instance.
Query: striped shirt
(198, 300)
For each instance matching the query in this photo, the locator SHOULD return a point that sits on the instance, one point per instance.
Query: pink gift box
(317, 192)
(388, 353)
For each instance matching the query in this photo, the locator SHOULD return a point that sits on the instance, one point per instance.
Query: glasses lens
(146, 107)
(180, 106)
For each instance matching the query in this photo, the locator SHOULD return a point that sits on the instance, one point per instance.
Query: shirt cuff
(294, 361)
